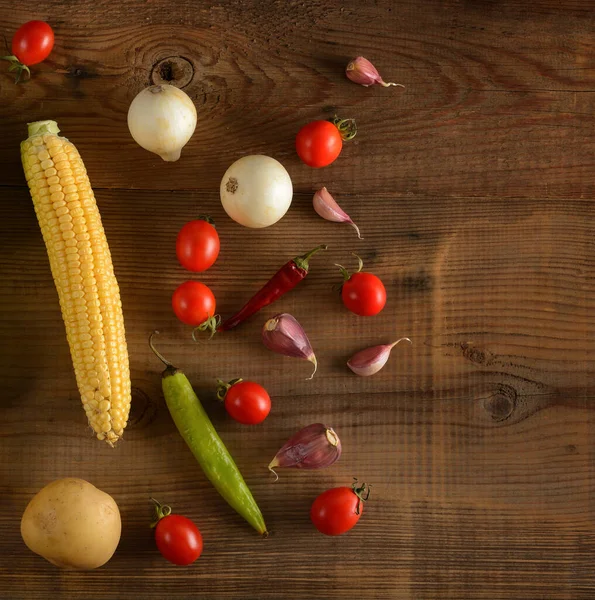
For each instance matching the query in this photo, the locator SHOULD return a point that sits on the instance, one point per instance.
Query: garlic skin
(326, 206)
(370, 360)
(161, 119)
(284, 335)
(362, 71)
(313, 447)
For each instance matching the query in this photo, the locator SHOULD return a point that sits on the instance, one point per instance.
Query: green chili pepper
(198, 432)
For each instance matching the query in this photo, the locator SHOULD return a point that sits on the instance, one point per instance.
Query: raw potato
(72, 524)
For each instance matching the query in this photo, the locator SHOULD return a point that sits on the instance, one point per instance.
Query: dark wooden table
(474, 191)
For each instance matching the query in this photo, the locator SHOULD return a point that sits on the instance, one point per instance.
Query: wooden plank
(498, 98)
(477, 437)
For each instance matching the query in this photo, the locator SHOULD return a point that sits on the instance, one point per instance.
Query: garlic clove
(326, 206)
(313, 447)
(284, 335)
(362, 71)
(370, 360)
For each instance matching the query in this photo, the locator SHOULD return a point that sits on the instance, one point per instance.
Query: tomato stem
(359, 492)
(161, 511)
(18, 66)
(210, 324)
(347, 127)
(345, 272)
(206, 218)
(223, 388)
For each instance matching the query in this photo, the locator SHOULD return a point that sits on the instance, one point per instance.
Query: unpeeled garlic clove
(362, 71)
(326, 206)
(313, 447)
(284, 335)
(371, 360)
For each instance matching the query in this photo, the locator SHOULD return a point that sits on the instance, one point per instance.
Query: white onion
(256, 191)
(162, 119)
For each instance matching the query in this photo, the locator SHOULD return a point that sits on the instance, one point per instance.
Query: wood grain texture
(473, 189)
(498, 100)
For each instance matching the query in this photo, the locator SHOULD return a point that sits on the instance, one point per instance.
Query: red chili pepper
(285, 279)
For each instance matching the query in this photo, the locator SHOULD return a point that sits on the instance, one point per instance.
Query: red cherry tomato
(318, 143)
(33, 42)
(177, 537)
(337, 510)
(246, 402)
(193, 303)
(364, 294)
(197, 245)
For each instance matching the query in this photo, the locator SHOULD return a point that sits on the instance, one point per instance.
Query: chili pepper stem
(302, 262)
(161, 511)
(157, 353)
(223, 388)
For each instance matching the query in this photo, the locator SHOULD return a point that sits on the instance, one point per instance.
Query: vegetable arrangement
(284, 280)
(199, 434)
(256, 191)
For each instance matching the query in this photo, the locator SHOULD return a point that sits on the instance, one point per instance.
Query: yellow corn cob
(82, 269)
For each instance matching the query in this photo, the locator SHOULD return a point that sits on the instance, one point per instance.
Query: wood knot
(477, 355)
(78, 72)
(500, 404)
(173, 70)
(142, 409)
(421, 281)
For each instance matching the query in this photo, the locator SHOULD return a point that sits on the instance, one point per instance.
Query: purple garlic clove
(284, 335)
(362, 71)
(313, 447)
(326, 206)
(371, 360)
